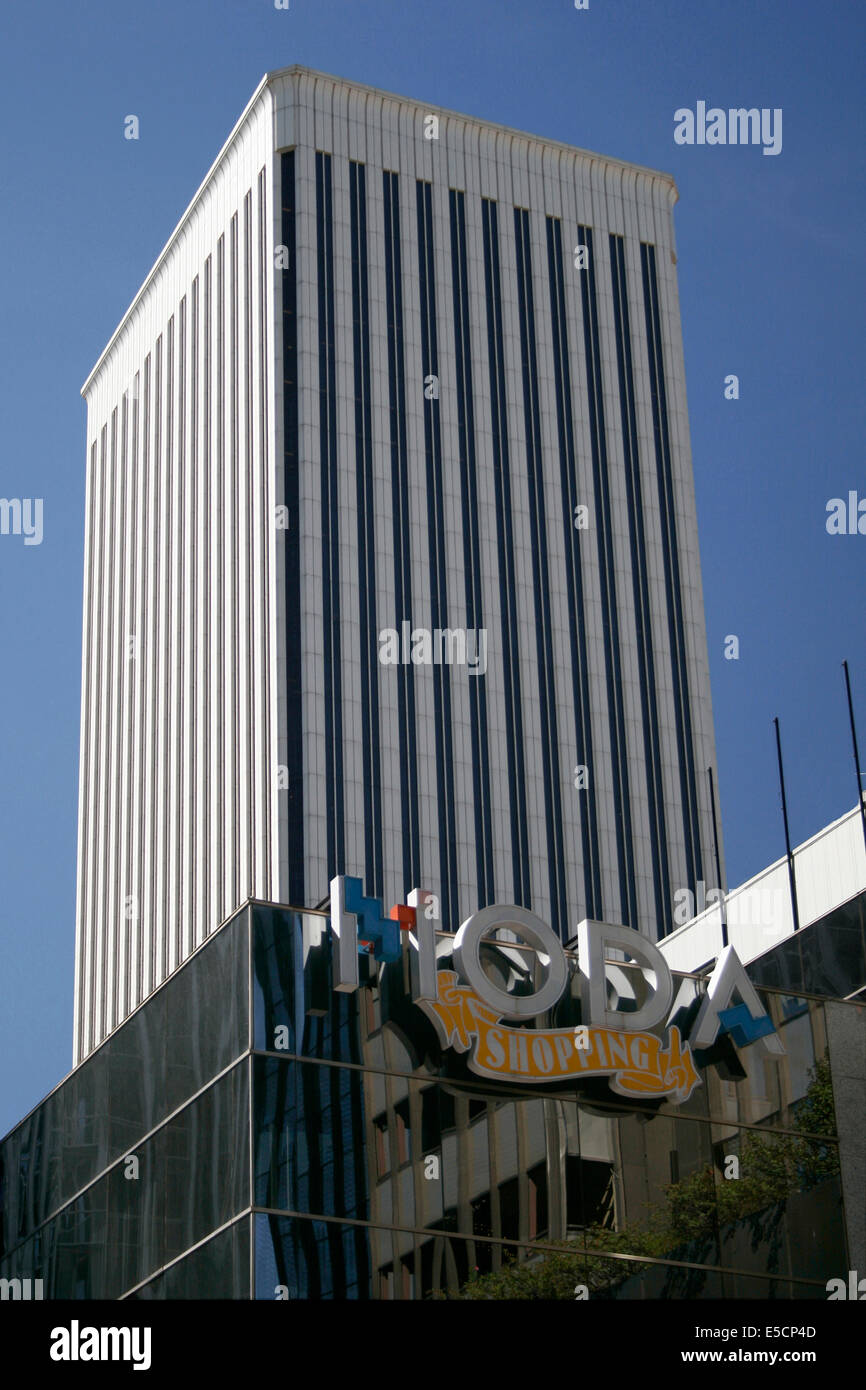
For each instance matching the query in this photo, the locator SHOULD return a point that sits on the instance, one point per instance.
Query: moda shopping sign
(641, 1053)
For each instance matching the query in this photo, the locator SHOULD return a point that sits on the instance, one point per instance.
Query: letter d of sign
(592, 937)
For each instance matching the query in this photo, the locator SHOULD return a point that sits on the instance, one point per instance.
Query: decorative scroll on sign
(638, 1064)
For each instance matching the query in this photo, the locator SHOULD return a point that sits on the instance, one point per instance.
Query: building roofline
(184, 218)
(298, 69)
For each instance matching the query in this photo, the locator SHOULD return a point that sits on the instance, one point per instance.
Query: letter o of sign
(536, 933)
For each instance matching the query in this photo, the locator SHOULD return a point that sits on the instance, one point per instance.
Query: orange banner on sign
(638, 1064)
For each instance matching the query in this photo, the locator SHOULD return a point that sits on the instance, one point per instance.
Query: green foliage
(815, 1112)
(694, 1210)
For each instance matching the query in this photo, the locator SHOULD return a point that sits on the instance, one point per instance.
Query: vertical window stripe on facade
(436, 527)
(483, 808)
(249, 506)
(401, 531)
(603, 520)
(233, 521)
(640, 586)
(673, 590)
(219, 490)
(264, 532)
(292, 541)
(108, 886)
(117, 637)
(185, 758)
(551, 770)
(369, 734)
(571, 499)
(194, 848)
(149, 563)
(122, 869)
(130, 872)
(505, 550)
(168, 691)
(208, 629)
(158, 591)
(333, 800)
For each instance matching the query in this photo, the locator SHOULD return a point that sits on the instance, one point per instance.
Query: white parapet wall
(829, 870)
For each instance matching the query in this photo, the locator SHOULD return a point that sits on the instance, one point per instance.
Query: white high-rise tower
(402, 386)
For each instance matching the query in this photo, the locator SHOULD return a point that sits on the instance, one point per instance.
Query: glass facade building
(249, 1132)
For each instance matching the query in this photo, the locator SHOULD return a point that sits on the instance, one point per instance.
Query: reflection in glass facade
(143, 1151)
(251, 1133)
(827, 957)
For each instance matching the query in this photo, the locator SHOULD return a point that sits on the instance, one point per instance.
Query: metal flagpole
(860, 801)
(787, 834)
(723, 904)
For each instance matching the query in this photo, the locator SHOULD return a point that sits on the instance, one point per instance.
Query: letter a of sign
(746, 1023)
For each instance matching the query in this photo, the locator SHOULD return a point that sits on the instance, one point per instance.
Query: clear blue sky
(771, 285)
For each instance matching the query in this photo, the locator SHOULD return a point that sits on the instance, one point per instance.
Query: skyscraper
(391, 563)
